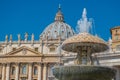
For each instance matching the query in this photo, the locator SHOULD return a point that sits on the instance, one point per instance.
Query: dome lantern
(59, 16)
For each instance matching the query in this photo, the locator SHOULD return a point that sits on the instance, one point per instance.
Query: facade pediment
(24, 51)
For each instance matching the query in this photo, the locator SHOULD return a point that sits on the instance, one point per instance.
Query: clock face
(24, 51)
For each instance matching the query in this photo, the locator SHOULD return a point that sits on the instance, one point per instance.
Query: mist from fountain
(84, 24)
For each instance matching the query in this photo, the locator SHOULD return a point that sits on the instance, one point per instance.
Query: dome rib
(57, 29)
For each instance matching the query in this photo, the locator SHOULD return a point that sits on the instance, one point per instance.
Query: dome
(84, 39)
(58, 28)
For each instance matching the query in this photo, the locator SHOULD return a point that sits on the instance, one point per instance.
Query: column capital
(51, 64)
(3, 63)
(17, 63)
(8, 64)
(40, 63)
(45, 64)
(30, 63)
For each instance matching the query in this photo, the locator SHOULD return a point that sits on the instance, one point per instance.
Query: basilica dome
(58, 29)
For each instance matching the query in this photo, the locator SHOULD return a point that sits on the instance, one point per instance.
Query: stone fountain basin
(80, 72)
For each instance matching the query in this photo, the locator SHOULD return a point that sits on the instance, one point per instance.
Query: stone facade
(111, 57)
(115, 38)
(27, 64)
(33, 59)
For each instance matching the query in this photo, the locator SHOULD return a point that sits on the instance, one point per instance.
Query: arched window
(118, 48)
(24, 69)
(13, 70)
(35, 70)
(116, 37)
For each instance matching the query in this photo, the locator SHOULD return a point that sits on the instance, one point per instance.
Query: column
(7, 71)
(45, 72)
(30, 72)
(3, 72)
(39, 71)
(17, 72)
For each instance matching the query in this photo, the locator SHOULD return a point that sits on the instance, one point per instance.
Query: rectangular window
(0, 50)
(116, 37)
(24, 69)
(52, 49)
(14, 49)
(36, 49)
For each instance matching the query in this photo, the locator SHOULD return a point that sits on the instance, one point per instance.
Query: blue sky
(33, 16)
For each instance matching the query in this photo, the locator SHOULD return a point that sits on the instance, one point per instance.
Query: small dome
(58, 28)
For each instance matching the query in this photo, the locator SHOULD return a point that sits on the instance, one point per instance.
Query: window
(36, 49)
(14, 49)
(35, 70)
(118, 48)
(13, 70)
(24, 69)
(24, 51)
(0, 50)
(52, 49)
(116, 37)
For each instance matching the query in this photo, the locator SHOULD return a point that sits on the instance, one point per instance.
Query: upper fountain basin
(84, 39)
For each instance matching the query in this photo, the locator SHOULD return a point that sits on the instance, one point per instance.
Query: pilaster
(39, 71)
(8, 71)
(45, 71)
(30, 72)
(17, 72)
(3, 71)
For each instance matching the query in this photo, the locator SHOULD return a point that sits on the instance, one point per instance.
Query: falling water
(84, 25)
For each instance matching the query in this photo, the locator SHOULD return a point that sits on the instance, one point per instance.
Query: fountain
(84, 44)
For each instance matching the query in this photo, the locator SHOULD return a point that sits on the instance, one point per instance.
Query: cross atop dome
(59, 16)
(59, 6)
